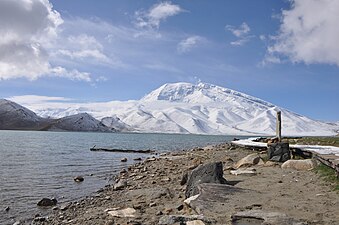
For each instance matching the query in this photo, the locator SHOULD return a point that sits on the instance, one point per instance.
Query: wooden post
(278, 129)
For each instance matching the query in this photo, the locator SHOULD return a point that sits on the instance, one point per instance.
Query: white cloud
(84, 47)
(187, 44)
(70, 74)
(157, 13)
(241, 33)
(27, 29)
(36, 99)
(24, 26)
(309, 33)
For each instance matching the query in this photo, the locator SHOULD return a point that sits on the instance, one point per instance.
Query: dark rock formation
(47, 202)
(207, 173)
(279, 152)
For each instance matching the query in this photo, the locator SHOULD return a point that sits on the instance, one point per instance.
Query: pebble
(123, 160)
(152, 204)
(180, 207)
(159, 213)
(7, 209)
(137, 159)
(79, 179)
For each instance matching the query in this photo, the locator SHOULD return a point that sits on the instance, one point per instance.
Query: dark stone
(206, 173)
(7, 209)
(182, 219)
(137, 159)
(159, 213)
(180, 207)
(39, 219)
(279, 152)
(184, 179)
(79, 179)
(47, 202)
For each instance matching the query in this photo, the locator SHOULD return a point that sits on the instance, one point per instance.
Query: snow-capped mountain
(193, 108)
(78, 122)
(16, 117)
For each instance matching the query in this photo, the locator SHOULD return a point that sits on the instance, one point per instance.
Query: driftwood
(121, 150)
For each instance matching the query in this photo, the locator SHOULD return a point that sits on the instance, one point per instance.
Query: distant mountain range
(16, 117)
(173, 108)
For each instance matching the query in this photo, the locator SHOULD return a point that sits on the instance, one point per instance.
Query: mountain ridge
(194, 108)
(16, 117)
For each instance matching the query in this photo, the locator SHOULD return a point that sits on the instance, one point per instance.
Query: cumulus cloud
(309, 33)
(187, 44)
(241, 32)
(24, 25)
(159, 12)
(27, 29)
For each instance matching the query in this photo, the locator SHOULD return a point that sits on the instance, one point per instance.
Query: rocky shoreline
(153, 192)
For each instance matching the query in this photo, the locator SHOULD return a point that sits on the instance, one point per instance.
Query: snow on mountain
(193, 108)
(78, 122)
(15, 116)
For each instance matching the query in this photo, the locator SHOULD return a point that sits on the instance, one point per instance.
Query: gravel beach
(153, 192)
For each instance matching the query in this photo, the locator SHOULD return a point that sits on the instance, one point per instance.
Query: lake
(37, 164)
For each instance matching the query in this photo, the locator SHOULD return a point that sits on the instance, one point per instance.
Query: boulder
(244, 171)
(123, 213)
(206, 173)
(262, 217)
(47, 202)
(190, 199)
(279, 152)
(249, 160)
(121, 184)
(195, 222)
(305, 164)
(183, 219)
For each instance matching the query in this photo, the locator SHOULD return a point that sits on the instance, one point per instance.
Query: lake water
(36, 164)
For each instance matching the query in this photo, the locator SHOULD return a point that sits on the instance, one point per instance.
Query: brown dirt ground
(154, 190)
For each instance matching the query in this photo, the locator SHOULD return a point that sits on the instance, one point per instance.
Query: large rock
(249, 160)
(183, 219)
(261, 217)
(207, 173)
(47, 202)
(120, 185)
(195, 222)
(123, 213)
(278, 152)
(244, 171)
(305, 164)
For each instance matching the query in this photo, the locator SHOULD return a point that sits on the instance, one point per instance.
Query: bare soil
(154, 190)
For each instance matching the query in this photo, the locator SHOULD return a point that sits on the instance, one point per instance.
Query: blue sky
(284, 52)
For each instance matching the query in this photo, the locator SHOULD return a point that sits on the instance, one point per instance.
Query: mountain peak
(200, 93)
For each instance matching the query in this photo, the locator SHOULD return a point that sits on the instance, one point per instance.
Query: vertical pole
(278, 129)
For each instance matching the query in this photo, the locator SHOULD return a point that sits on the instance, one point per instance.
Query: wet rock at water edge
(79, 179)
(137, 159)
(47, 202)
(39, 219)
(123, 160)
(121, 184)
